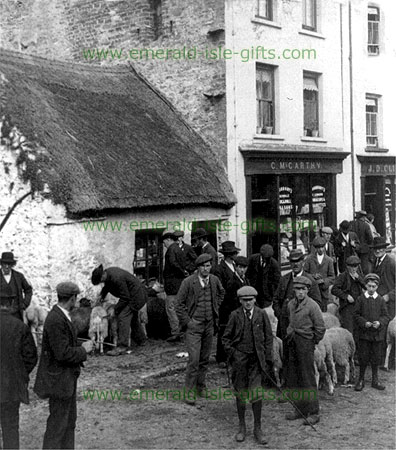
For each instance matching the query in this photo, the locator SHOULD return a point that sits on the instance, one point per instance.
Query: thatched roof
(113, 142)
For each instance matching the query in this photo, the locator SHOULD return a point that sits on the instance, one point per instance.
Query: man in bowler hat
(59, 367)
(14, 284)
(200, 236)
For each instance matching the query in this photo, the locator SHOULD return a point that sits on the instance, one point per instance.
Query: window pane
(311, 105)
(309, 14)
(264, 95)
(264, 9)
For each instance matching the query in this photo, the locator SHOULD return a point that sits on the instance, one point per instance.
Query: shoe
(378, 386)
(384, 369)
(117, 351)
(201, 391)
(359, 385)
(258, 434)
(174, 338)
(312, 420)
(241, 435)
(293, 416)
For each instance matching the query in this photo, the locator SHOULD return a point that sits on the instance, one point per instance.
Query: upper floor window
(372, 121)
(311, 105)
(309, 21)
(265, 99)
(157, 17)
(264, 9)
(373, 30)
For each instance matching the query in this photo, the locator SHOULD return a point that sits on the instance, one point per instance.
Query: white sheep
(344, 349)
(330, 320)
(34, 316)
(390, 340)
(98, 326)
(277, 355)
(324, 364)
(333, 309)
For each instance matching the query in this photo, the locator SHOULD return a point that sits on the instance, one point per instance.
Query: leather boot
(374, 379)
(257, 433)
(360, 384)
(241, 408)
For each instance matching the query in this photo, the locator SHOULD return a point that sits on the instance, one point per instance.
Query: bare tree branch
(11, 210)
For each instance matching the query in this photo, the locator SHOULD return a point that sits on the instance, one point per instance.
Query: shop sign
(378, 169)
(285, 201)
(296, 166)
(318, 199)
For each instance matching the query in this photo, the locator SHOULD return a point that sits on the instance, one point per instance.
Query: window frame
(312, 4)
(369, 116)
(261, 122)
(315, 77)
(145, 234)
(373, 48)
(269, 15)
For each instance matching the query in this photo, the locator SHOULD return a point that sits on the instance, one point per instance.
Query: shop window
(148, 261)
(156, 6)
(264, 9)
(265, 99)
(309, 21)
(373, 30)
(311, 105)
(372, 121)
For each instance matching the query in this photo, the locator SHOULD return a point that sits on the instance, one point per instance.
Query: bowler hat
(96, 277)
(229, 247)
(345, 226)
(372, 277)
(379, 242)
(302, 281)
(179, 233)
(202, 259)
(327, 230)
(67, 288)
(352, 261)
(296, 254)
(199, 233)
(266, 251)
(7, 258)
(247, 292)
(241, 261)
(319, 242)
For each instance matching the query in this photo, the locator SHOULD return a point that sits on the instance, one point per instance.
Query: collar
(320, 258)
(300, 274)
(382, 258)
(7, 277)
(201, 280)
(345, 236)
(245, 313)
(65, 312)
(230, 265)
(205, 245)
(367, 295)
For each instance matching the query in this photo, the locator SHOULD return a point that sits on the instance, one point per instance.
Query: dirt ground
(349, 419)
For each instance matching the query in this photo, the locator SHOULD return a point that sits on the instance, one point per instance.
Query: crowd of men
(205, 298)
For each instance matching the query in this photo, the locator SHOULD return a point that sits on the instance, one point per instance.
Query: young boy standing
(371, 317)
(247, 341)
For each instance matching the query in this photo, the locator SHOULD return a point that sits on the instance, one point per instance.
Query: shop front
(290, 196)
(378, 192)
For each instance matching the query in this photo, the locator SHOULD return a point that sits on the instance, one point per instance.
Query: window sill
(312, 33)
(376, 150)
(313, 139)
(269, 23)
(269, 137)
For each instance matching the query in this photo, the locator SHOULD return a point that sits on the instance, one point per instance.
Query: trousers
(9, 415)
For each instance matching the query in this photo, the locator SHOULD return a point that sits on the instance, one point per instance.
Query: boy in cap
(346, 244)
(197, 307)
(306, 329)
(371, 318)
(321, 267)
(247, 340)
(59, 367)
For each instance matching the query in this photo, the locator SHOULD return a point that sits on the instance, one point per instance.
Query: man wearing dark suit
(59, 367)
(346, 244)
(264, 274)
(13, 283)
(285, 291)
(189, 255)
(132, 297)
(327, 234)
(363, 231)
(197, 307)
(174, 273)
(225, 272)
(201, 238)
(18, 356)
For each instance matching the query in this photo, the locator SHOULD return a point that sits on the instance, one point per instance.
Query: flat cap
(241, 261)
(202, 259)
(179, 233)
(327, 230)
(296, 254)
(361, 213)
(372, 277)
(266, 251)
(168, 234)
(352, 261)
(302, 281)
(67, 288)
(319, 242)
(96, 276)
(247, 292)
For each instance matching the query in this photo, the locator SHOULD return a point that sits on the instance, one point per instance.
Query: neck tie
(248, 315)
(377, 263)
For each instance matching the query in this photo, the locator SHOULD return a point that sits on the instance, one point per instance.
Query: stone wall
(61, 29)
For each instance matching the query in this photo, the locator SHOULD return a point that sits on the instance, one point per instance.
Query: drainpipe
(351, 109)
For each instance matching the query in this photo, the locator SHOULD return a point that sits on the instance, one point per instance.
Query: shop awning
(310, 84)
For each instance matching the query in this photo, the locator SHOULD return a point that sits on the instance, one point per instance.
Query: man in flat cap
(18, 356)
(361, 227)
(306, 329)
(13, 283)
(197, 307)
(285, 291)
(264, 274)
(346, 244)
(248, 343)
(174, 273)
(60, 365)
(321, 267)
(132, 297)
(347, 287)
(328, 234)
(189, 254)
(200, 237)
